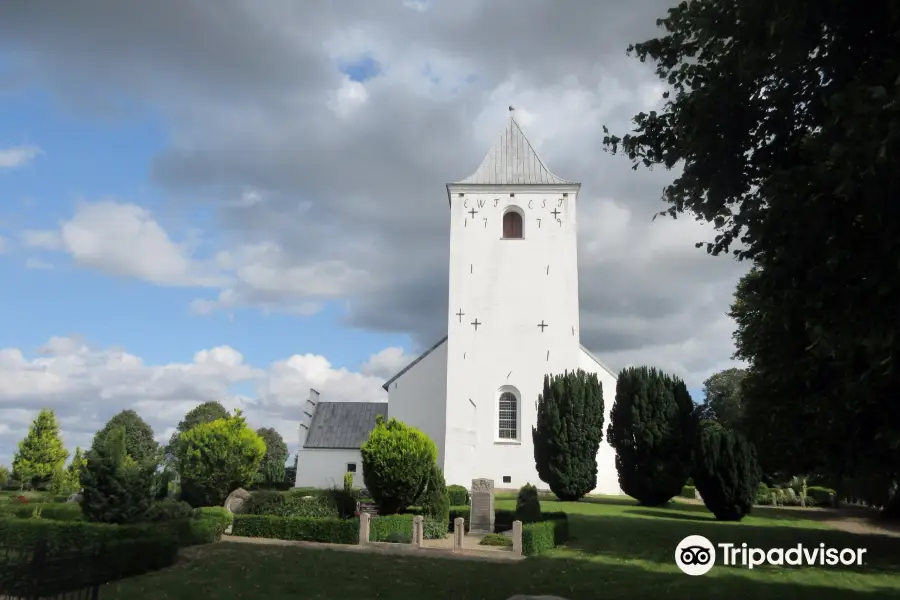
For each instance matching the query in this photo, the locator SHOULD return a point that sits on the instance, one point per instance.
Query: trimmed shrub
(435, 502)
(383, 526)
(688, 491)
(53, 511)
(822, 496)
(65, 536)
(495, 539)
(207, 525)
(332, 531)
(503, 519)
(725, 471)
(343, 501)
(396, 462)
(296, 505)
(169, 510)
(456, 512)
(651, 427)
(528, 507)
(265, 502)
(568, 432)
(545, 535)
(459, 496)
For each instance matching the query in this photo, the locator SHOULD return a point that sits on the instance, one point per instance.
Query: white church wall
(418, 397)
(510, 286)
(325, 467)
(607, 476)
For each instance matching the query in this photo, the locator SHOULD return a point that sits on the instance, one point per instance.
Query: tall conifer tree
(41, 453)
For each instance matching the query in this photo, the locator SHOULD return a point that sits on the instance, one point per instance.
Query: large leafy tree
(568, 432)
(785, 119)
(41, 453)
(651, 427)
(202, 413)
(216, 458)
(271, 469)
(722, 398)
(139, 442)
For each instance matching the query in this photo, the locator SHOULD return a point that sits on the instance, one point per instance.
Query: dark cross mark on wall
(542, 325)
(555, 214)
(464, 356)
(476, 323)
(472, 212)
(470, 267)
(460, 315)
(548, 269)
(548, 355)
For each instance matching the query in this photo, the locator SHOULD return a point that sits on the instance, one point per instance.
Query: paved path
(436, 550)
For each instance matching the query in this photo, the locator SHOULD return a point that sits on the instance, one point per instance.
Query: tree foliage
(786, 119)
(271, 469)
(722, 398)
(435, 501)
(115, 487)
(66, 482)
(568, 432)
(41, 453)
(528, 504)
(397, 462)
(4, 477)
(139, 442)
(202, 413)
(216, 458)
(651, 428)
(725, 471)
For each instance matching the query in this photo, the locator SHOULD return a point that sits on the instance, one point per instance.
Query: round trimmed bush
(726, 472)
(528, 505)
(397, 462)
(459, 496)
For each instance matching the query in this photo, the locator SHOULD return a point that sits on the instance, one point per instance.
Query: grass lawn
(617, 550)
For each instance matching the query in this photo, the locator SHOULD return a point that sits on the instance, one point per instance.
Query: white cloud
(41, 239)
(86, 385)
(387, 363)
(36, 263)
(18, 156)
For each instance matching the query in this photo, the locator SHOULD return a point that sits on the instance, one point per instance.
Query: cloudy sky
(238, 201)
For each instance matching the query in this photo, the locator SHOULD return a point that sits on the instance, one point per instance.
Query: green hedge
(688, 491)
(822, 496)
(380, 528)
(459, 496)
(328, 530)
(538, 538)
(456, 512)
(53, 511)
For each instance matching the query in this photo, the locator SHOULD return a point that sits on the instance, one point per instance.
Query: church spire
(513, 161)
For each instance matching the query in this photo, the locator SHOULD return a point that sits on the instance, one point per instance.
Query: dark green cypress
(568, 433)
(651, 428)
(725, 471)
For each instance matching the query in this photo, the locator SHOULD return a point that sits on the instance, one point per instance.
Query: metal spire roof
(512, 161)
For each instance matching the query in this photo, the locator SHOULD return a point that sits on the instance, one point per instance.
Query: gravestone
(235, 502)
(481, 519)
(367, 507)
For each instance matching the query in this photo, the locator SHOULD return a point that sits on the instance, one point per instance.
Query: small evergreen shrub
(348, 481)
(503, 519)
(116, 489)
(207, 525)
(296, 505)
(725, 471)
(822, 496)
(343, 500)
(458, 511)
(54, 511)
(168, 510)
(332, 531)
(396, 463)
(435, 501)
(528, 506)
(495, 539)
(459, 496)
(688, 491)
(264, 502)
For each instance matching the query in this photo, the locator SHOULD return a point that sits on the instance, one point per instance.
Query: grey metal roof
(413, 363)
(512, 161)
(343, 424)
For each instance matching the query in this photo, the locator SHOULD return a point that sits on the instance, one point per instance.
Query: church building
(513, 317)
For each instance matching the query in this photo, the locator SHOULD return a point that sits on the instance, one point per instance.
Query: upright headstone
(517, 537)
(459, 530)
(418, 531)
(235, 502)
(364, 523)
(481, 519)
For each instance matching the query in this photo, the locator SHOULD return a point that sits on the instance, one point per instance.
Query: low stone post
(459, 531)
(774, 500)
(364, 528)
(418, 531)
(517, 538)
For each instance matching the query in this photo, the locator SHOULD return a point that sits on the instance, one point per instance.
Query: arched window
(508, 416)
(512, 225)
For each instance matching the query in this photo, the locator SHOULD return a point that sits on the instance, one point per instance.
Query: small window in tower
(508, 413)
(512, 225)
(507, 479)
(351, 467)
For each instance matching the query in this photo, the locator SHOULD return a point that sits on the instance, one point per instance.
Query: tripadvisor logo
(696, 555)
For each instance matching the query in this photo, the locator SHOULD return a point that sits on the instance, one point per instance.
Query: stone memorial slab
(481, 519)
(367, 507)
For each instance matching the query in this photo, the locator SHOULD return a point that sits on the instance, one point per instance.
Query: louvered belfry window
(508, 416)
(512, 225)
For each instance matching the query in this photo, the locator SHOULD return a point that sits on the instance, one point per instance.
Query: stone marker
(364, 522)
(418, 531)
(459, 531)
(517, 538)
(235, 502)
(774, 499)
(481, 515)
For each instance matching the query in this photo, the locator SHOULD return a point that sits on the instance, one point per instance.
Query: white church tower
(513, 307)
(513, 318)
